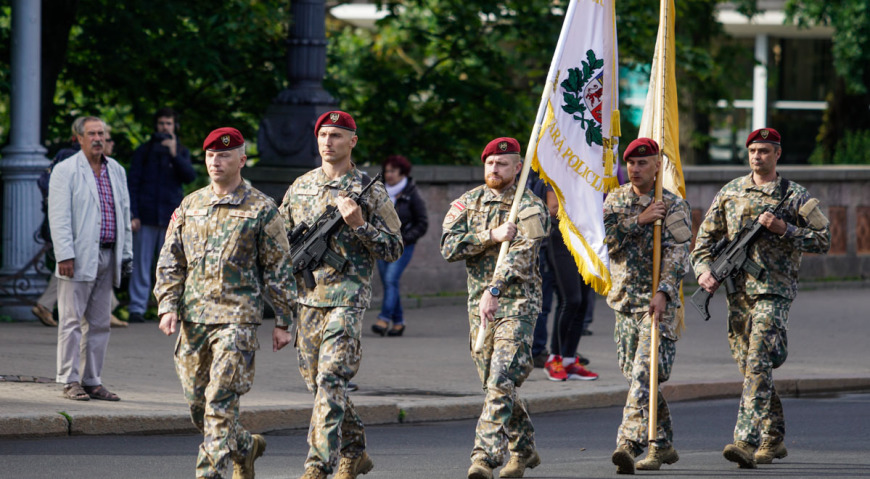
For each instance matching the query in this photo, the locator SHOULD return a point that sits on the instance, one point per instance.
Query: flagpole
(530, 153)
(652, 430)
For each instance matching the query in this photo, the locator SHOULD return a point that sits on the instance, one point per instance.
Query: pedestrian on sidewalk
(160, 168)
(225, 247)
(630, 213)
(415, 221)
(330, 315)
(504, 301)
(89, 216)
(758, 309)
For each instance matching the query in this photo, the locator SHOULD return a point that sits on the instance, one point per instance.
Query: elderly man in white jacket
(89, 214)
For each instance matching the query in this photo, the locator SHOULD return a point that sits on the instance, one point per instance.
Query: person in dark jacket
(159, 169)
(412, 212)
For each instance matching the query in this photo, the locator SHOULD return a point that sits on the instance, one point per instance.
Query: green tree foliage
(217, 63)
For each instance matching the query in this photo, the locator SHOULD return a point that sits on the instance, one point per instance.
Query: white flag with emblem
(576, 147)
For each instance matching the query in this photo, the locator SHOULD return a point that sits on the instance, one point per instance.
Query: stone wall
(844, 192)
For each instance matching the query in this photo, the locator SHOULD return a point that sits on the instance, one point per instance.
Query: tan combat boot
(517, 465)
(313, 472)
(656, 457)
(245, 469)
(623, 458)
(770, 449)
(479, 470)
(742, 453)
(350, 467)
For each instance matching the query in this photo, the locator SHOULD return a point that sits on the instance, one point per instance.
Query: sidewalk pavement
(426, 375)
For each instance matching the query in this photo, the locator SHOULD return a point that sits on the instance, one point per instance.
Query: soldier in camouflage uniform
(758, 310)
(331, 314)
(630, 213)
(507, 299)
(225, 248)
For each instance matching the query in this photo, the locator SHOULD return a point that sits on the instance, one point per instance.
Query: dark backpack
(42, 183)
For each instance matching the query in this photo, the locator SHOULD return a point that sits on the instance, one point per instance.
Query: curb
(268, 419)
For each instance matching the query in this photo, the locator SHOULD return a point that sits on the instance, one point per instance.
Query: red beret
(338, 119)
(223, 139)
(500, 146)
(641, 147)
(763, 135)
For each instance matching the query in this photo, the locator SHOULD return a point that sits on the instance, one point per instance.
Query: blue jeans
(539, 341)
(391, 310)
(146, 241)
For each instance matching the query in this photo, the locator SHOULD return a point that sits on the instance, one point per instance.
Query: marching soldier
(758, 310)
(629, 215)
(508, 299)
(225, 248)
(330, 314)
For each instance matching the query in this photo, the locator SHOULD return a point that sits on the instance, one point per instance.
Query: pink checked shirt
(107, 205)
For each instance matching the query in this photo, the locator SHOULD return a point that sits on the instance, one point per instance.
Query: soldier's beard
(498, 183)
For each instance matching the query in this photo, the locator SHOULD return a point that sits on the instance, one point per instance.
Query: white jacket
(74, 216)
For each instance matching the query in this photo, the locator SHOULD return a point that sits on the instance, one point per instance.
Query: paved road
(827, 437)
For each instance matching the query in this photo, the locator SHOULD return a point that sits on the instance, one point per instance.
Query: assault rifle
(731, 257)
(309, 246)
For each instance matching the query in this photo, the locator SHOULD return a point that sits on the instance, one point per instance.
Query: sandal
(396, 330)
(101, 393)
(380, 327)
(75, 392)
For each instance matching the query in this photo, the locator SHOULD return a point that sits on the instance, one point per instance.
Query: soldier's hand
(487, 308)
(350, 211)
(708, 282)
(168, 322)
(658, 305)
(772, 223)
(280, 338)
(505, 232)
(655, 211)
(66, 268)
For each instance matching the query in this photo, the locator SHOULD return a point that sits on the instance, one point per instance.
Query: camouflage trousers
(328, 347)
(757, 327)
(632, 336)
(215, 364)
(503, 365)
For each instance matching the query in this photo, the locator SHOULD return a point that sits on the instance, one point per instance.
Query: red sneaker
(576, 370)
(554, 369)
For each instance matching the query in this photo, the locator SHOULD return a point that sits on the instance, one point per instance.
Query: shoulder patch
(453, 215)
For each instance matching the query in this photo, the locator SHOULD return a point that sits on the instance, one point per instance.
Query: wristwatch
(361, 229)
(494, 291)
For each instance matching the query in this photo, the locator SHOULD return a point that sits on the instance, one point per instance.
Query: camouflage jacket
(630, 247)
(307, 199)
(466, 237)
(740, 202)
(221, 255)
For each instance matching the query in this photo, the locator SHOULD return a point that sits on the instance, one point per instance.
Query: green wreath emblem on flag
(583, 89)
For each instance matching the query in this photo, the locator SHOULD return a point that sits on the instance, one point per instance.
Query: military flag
(576, 149)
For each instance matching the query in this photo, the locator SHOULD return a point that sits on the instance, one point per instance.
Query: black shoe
(540, 360)
(582, 360)
(351, 386)
(396, 330)
(136, 318)
(586, 332)
(380, 327)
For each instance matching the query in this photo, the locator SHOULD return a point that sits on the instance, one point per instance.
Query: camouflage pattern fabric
(466, 238)
(758, 312)
(506, 359)
(503, 364)
(632, 336)
(215, 364)
(221, 255)
(757, 334)
(630, 247)
(306, 199)
(328, 347)
(740, 202)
